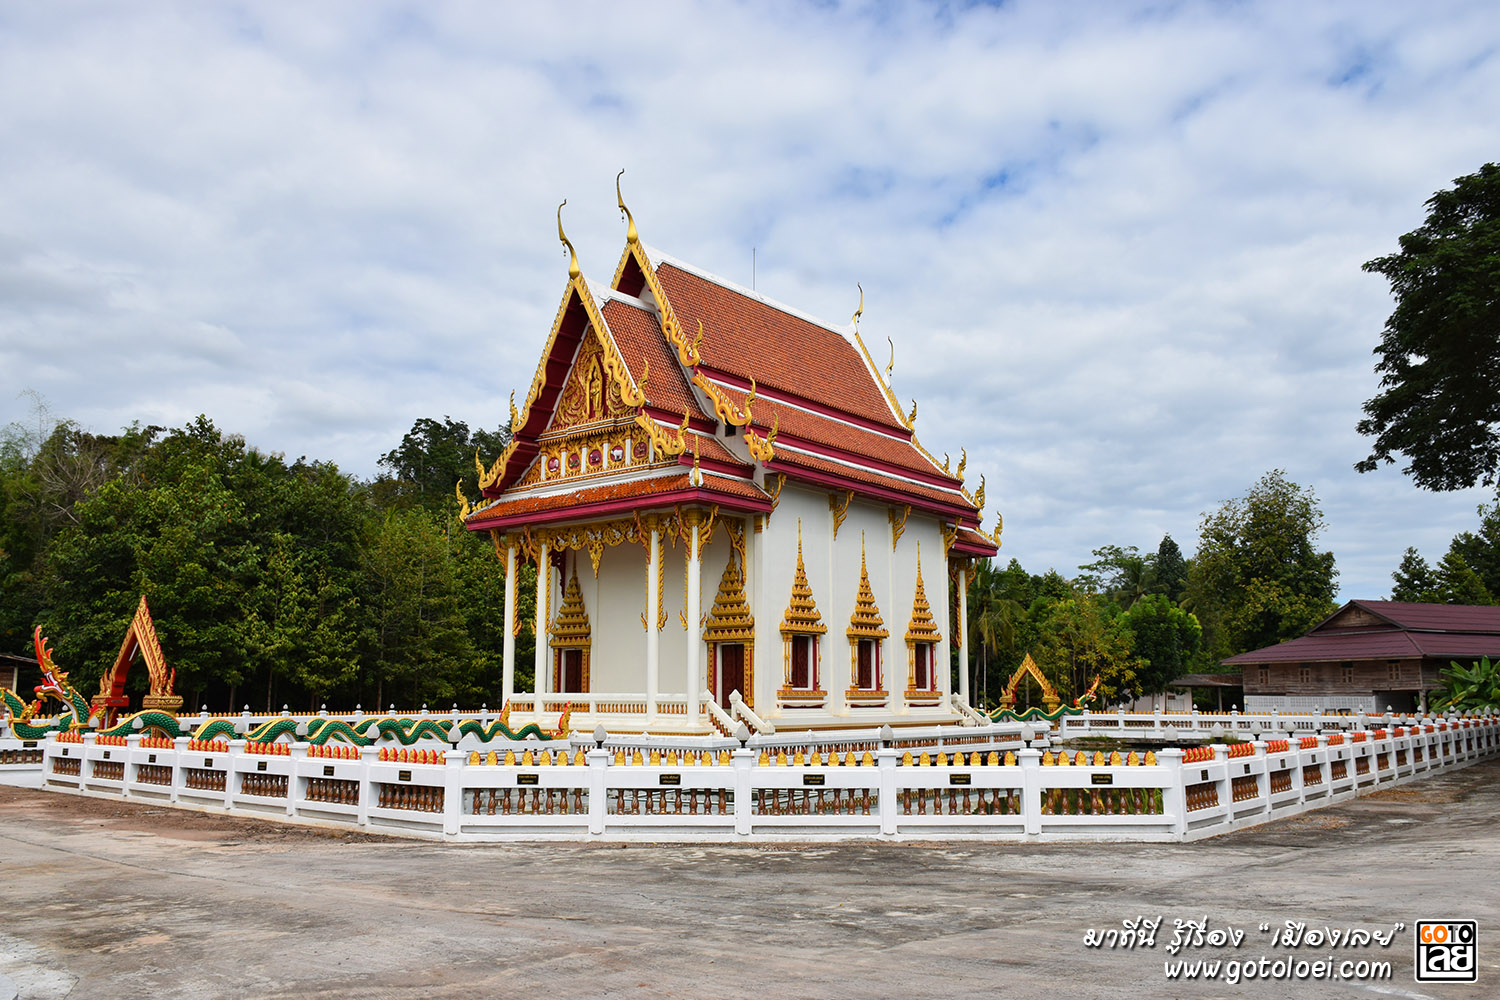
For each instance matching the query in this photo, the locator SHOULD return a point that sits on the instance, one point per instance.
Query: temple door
(731, 671)
(572, 671)
(865, 678)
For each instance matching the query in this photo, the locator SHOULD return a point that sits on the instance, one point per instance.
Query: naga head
(53, 677)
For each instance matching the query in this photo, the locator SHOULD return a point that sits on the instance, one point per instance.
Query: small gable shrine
(730, 514)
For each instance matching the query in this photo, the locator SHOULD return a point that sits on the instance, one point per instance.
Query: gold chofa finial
(891, 365)
(631, 236)
(573, 270)
(854, 320)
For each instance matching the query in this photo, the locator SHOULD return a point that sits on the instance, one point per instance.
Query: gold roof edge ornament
(573, 269)
(464, 510)
(890, 365)
(854, 320)
(763, 449)
(631, 236)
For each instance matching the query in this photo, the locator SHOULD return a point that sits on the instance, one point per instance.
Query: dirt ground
(110, 899)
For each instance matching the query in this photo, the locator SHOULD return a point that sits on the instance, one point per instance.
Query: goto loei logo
(1447, 951)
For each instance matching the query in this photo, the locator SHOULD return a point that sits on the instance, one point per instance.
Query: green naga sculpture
(75, 711)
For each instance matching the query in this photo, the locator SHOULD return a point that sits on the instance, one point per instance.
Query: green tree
(1077, 642)
(1258, 577)
(1120, 573)
(1457, 583)
(432, 458)
(1480, 549)
(1415, 580)
(1166, 638)
(1440, 350)
(415, 644)
(1171, 570)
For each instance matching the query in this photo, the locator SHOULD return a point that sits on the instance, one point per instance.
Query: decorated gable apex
(673, 385)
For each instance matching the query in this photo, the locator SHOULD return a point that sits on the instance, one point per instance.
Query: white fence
(1205, 725)
(528, 792)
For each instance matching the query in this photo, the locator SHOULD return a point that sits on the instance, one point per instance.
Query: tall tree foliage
(1258, 577)
(432, 458)
(1440, 351)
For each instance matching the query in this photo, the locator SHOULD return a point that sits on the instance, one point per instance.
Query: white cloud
(1117, 247)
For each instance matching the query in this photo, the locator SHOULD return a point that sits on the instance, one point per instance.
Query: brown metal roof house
(1368, 656)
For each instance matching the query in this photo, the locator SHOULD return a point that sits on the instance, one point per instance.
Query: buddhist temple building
(731, 515)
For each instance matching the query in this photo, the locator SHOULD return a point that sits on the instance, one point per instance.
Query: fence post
(1174, 794)
(1030, 760)
(367, 756)
(293, 800)
(743, 760)
(598, 759)
(179, 747)
(453, 791)
(1225, 784)
(885, 760)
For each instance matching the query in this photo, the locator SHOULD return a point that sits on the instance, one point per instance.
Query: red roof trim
(728, 493)
(888, 490)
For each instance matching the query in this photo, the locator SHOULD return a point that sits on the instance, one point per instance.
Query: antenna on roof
(573, 271)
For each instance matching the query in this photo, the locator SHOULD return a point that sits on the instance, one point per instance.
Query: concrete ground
(107, 899)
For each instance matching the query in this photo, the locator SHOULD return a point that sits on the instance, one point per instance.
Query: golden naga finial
(463, 502)
(573, 270)
(945, 461)
(963, 460)
(631, 236)
(911, 417)
(999, 527)
(697, 343)
(890, 365)
(749, 399)
(478, 465)
(854, 320)
(979, 496)
(514, 416)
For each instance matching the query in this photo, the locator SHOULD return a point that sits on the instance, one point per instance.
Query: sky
(1116, 246)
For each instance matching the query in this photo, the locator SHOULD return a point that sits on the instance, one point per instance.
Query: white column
(963, 633)
(508, 671)
(543, 594)
(653, 612)
(695, 635)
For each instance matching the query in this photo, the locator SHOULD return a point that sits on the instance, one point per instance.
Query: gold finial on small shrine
(854, 320)
(911, 417)
(979, 497)
(963, 460)
(573, 270)
(631, 236)
(890, 365)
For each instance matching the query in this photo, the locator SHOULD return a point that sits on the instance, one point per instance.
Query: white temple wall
(615, 603)
(833, 567)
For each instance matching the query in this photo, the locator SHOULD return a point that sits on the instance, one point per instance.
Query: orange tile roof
(746, 336)
(638, 335)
